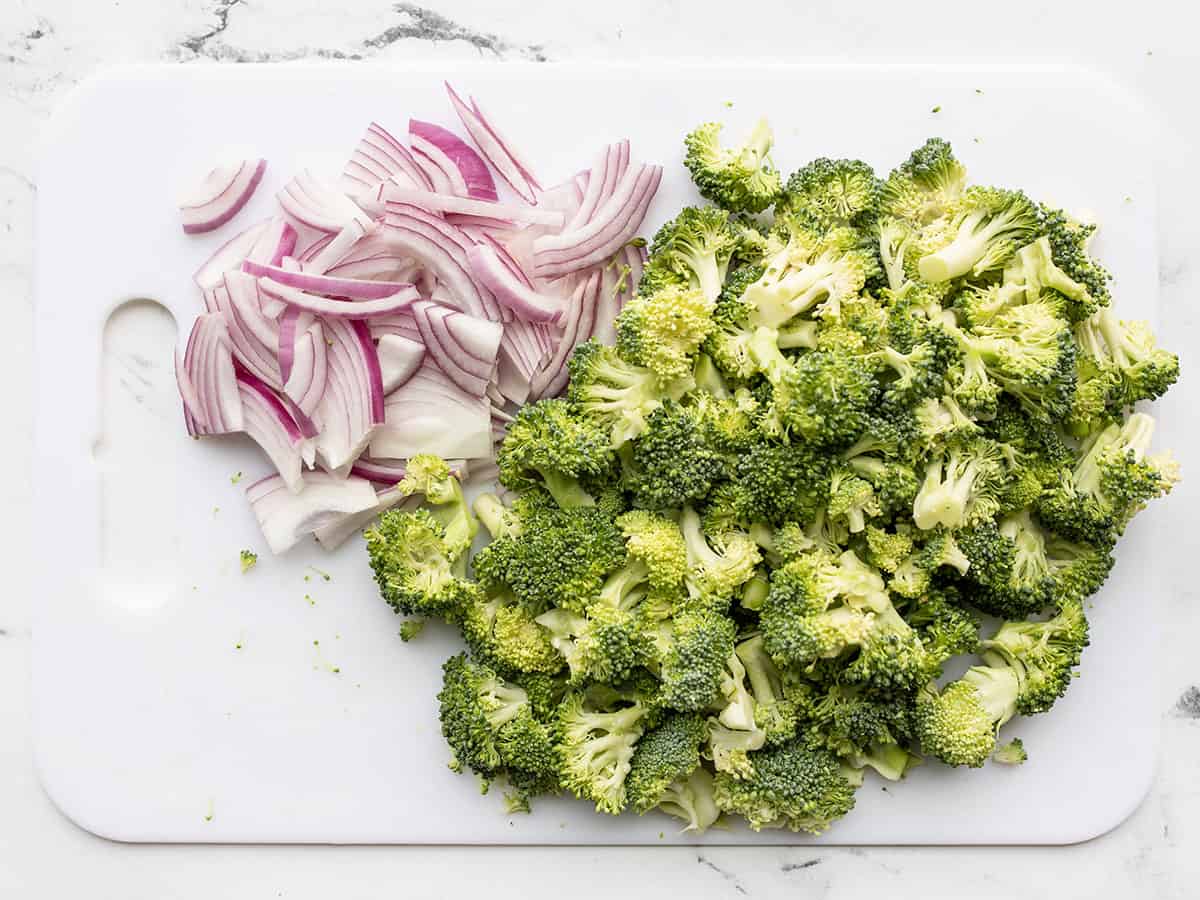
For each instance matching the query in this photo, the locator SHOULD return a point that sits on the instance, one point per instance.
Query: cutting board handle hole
(136, 449)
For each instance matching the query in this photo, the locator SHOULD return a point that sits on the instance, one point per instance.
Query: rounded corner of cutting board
(76, 806)
(1117, 809)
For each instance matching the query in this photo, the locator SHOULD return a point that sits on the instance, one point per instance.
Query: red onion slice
(473, 171)
(378, 158)
(493, 149)
(447, 203)
(608, 169)
(506, 145)
(229, 256)
(464, 347)
(308, 373)
(268, 423)
(350, 288)
(337, 247)
(352, 405)
(250, 352)
(207, 380)
(431, 414)
(316, 211)
(441, 255)
(551, 380)
(224, 192)
(527, 303)
(613, 225)
(285, 517)
(399, 359)
(403, 296)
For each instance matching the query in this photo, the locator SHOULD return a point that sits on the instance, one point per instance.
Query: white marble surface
(46, 46)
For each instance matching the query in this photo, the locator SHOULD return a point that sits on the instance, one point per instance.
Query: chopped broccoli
(1011, 754)
(740, 179)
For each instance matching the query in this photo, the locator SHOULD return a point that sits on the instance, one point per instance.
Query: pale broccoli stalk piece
(739, 179)
(729, 749)
(962, 485)
(717, 564)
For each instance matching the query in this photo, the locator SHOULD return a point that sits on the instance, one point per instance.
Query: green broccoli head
(958, 725)
(738, 179)
(673, 461)
(617, 394)
(663, 330)
(728, 343)
(598, 734)
(665, 755)
(980, 232)
(831, 193)
(1043, 655)
(718, 564)
(418, 570)
(550, 445)
(926, 186)
(657, 542)
(693, 653)
(501, 631)
(792, 786)
(697, 245)
(962, 485)
(1069, 251)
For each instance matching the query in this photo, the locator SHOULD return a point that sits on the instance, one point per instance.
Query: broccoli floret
(418, 570)
(1034, 273)
(560, 558)
(792, 786)
(946, 629)
(825, 397)
(549, 445)
(718, 564)
(1011, 754)
(1037, 568)
(942, 421)
(980, 232)
(729, 749)
(697, 245)
(851, 500)
(926, 186)
(894, 238)
(1042, 654)
(959, 724)
(832, 193)
(1113, 479)
(739, 179)
(430, 475)
(774, 713)
(727, 423)
(887, 550)
(1127, 356)
(658, 543)
(813, 272)
(694, 647)
(1068, 245)
(728, 343)
(663, 330)
(661, 773)
(618, 394)
(859, 729)
(500, 630)
(914, 575)
(599, 732)
(673, 463)
(489, 723)
(962, 485)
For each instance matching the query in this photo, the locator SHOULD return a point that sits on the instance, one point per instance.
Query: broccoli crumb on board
(1011, 754)
(410, 628)
(248, 559)
(235, 477)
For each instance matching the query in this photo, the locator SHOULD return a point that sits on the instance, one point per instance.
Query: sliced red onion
(269, 424)
(477, 226)
(285, 517)
(464, 347)
(229, 256)
(527, 303)
(448, 203)
(440, 254)
(351, 406)
(431, 414)
(378, 158)
(225, 190)
(250, 352)
(246, 300)
(403, 295)
(602, 179)
(375, 257)
(316, 211)
(337, 247)
(350, 288)
(551, 380)
(399, 359)
(473, 171)
(277, 240)
(507, 146)
(613, 225)
(308, 373)
(389, 472)
(336, 533)
(494, 150)
(207, 381)
(401, 324)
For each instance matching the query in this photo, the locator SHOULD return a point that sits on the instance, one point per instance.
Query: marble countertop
(47, 46)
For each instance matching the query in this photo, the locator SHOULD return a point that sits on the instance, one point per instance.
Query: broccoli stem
(565, 490)
(972, 245)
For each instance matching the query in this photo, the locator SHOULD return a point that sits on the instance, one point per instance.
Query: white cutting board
(152, 725)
